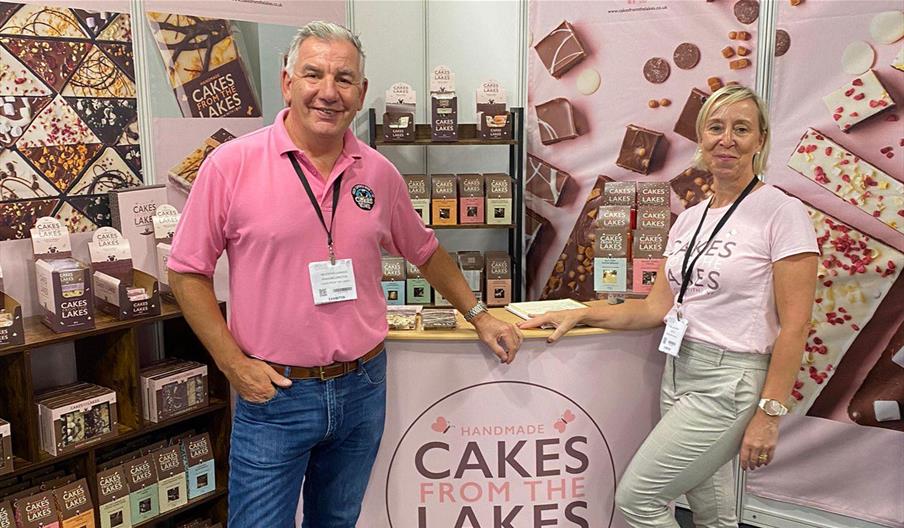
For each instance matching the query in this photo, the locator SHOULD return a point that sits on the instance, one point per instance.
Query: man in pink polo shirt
(303, 208)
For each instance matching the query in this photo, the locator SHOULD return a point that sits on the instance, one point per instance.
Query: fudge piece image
(692, 186)
(687, 122)
(879, 400)
(555, 120)
(544, 181)
(638, 149)
(850, 178)
(858, 100)
(560, 50)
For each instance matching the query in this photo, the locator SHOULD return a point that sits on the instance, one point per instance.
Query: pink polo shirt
(248, 201)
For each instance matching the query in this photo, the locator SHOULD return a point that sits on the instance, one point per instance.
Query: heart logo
(440, 425)
(559, 426)
(568, 416)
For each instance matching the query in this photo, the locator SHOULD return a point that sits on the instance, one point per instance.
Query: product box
(6, 448)
(471, 199)
(37, 511)
(144, 500)
(444, 199)
(402, 317)
(649, 245)
(393, 282)
(653, 217)
(493, 119)
(443, 105)
(132, 211)
(471, 264)
(119, 290)
(64, 284)
(11, 325)
(417, 289)
(173, 387)
(610, 263)
(113, 498)
(438, 319)
(499, 278)
(419, 192)
(621, 193)
(166, 219)
(73, 502)
(76, 415)
(614, 217)
(199, 465)
(653, 194)
(499, 198)
(171, 482)
(398, 120)
(7, 515)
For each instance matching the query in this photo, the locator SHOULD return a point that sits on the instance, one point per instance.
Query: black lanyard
(685, 269)
(307, 188)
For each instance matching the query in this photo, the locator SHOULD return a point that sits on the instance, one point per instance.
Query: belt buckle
(322, 376)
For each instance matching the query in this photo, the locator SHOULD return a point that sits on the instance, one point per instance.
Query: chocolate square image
(499, 293)
(202, 480)
(498, 212)
(445, 213)
(144, 506)
(419, 291)
(648, 278)
(471, 211)
(172, 494)
(641, 149)
(116, 518)
(560, 50)
(555, 121)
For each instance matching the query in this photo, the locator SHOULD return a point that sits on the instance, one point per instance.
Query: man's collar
(284, 143)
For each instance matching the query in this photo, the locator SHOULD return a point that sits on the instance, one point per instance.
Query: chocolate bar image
(879, 400)
(687, 122)
(692, 186)
(639, 148)
(544, 181)
(560, 50)
(186, 171)
(555, 120)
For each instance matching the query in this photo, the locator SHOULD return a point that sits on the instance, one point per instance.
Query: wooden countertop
(466, 332)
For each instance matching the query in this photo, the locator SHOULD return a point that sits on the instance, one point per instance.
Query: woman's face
(731, 136)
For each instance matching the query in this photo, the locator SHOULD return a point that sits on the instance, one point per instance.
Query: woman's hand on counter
(504, 339)
(562, 321)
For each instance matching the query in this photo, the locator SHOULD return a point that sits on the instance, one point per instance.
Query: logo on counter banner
(502, 454)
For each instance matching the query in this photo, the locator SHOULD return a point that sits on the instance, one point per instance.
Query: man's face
(325, 88)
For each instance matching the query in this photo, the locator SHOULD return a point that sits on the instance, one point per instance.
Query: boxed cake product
(37, 511)
(653, 194)
(74, 504)
(393, 282)
(173, 387)
(171, 481)
(120, 290)
(113, 498)
(498, 188)
(419, 192)
(610, 262)
(654, 217)
(199, 465)
(402, 317)
(438, 319)
(499, 278)
(649, 245)
(144, 501)
(417, 289)
(132, 212)
(64, 284)
(493, 119)
(185, 172)
(163, 253)
(166, 219)
(398, 120)
(76, 415)
(471, 199)
(443, 105)
(205, 69)
(6, 448)
(444, 199)
(471, 264)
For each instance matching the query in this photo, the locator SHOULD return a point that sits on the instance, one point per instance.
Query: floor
(685, 520)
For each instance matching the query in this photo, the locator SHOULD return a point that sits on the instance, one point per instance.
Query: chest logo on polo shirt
(364, 196)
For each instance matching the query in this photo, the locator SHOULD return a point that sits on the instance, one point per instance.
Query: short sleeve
(409, 237)
(790, 231)
(201, 234)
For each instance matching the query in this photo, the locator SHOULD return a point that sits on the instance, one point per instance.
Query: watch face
(773, 407)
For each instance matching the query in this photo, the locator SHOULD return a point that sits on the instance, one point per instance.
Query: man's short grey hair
(324, 31)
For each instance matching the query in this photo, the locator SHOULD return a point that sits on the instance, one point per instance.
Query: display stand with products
(108, 356)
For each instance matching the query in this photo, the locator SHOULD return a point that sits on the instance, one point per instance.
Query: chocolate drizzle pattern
(18, 180)
(53, 61)
(121, 55)
(39, 21)
(120, 30)
(98, 76)
(107, 173)
(132, 155)
(195, 37)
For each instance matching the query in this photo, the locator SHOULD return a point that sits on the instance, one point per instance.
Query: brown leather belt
(327, 372)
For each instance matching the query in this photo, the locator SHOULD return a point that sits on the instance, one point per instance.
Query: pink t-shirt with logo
(730, 302)
(248, 201)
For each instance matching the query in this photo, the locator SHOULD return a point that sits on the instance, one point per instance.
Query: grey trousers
(708, 396)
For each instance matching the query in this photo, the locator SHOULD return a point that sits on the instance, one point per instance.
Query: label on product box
(653, 217)
(50, 237)
(645, 272)
(471, 199)
(165, 220)
(653, 193)
(419, 192)
(610, 274)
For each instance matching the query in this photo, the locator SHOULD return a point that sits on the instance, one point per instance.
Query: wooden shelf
(467, 136)
(215, 494)
(472, 226)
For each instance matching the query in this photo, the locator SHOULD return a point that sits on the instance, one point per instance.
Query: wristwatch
(773, 407)
(478, 309)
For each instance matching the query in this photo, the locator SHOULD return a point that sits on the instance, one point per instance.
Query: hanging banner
(281, 12)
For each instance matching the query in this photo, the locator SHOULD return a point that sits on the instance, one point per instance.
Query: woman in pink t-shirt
(735, 293)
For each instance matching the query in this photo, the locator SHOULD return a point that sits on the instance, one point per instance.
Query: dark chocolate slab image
(121, 55)
(62, 164)
(132, 155)
(54, 61)
(94, 22)
(108, 118)
(16, 218)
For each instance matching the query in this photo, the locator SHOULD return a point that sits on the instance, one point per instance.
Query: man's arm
(443, 274)
(253, 379)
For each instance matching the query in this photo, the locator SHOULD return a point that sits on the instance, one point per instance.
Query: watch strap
(476, 310)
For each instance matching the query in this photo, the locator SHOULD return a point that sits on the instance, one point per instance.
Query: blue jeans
(322, 433)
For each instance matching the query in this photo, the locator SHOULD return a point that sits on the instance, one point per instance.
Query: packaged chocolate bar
(499, 278)
(37, 511)
(443, 105)
(653, 193)
(402, 317)
(172, 388)
(493, 119)
(653, 217)
(74, 504)
(113, 504)
(560, 50)
(171, 482)
(417, 289)
(419, 192)
(544, 182)
(444, 199)
(438, 319)
(132, 212)
(610, 262)
(144, 500)
(471, 264)
(471, 199)
(205, 68)
(199, 463)
(120, 290)
(649, 245)
(498, 188)
(398, 120)
(82, 415)
(641, 149)
(393, 282)
(6, 448)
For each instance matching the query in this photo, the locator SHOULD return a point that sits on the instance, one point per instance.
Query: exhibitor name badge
(535, 458)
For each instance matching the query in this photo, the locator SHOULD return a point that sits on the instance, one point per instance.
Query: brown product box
(6, 448)
(611, 250)
(84, 416)
(113, 498)
(12, 328)
(176, 389)
(120, 290)
(7, 516)
(74, 504)
(614, 217)
(64, 285)
(419, 192)
(653, 217)
(58, 482)
(493, 119)
(471, 199)
(417, 289)
(37, 511)
(197, 453)
(444, 199)
(398, 120)
(443, 105)
(171, 483)
(499, 198)
(393, 281)
(143, 497)
(471, 264)
(650, 243)
(653, 193)
(619, 193)
(499, 278)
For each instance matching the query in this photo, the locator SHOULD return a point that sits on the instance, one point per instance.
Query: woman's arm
(634, 314)
(795, 286)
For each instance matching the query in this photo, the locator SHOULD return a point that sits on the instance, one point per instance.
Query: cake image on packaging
(184, 174)
(204, 66)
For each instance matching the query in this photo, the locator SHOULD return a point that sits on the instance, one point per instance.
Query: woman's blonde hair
(725, 96)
